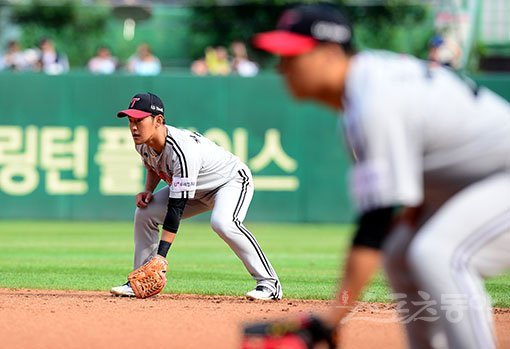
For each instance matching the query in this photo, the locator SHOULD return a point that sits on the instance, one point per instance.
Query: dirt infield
(65, 319)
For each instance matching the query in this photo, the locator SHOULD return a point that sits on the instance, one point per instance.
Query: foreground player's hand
(142, 199)
(306, 332)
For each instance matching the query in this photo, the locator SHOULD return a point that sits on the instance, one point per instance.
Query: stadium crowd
(46, 58)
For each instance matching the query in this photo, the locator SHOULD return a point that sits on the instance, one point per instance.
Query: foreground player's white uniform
(423, 137)
(211, 178)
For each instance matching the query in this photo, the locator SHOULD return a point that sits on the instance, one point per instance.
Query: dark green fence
(64, 155)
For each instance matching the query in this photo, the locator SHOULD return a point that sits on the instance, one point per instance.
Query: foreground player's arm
(362, 261)
(308, 331)
(387, 173)
(151, 182)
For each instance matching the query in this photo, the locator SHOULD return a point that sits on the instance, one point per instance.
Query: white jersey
(418, 133)
(191, 164)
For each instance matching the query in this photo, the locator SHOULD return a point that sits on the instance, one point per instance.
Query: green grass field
(98, 255)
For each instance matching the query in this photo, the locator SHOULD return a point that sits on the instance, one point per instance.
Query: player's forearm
(152, 181)
(175, 208)
(362, 262)
(167, 236)
(363, 259)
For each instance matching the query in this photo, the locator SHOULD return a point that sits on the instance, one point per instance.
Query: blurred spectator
(445, 50)
(199, 67)
(50, 60)
(241, 64)
(103, 62)
(13, 58)
(216, 60)
(31, 57)
(144, 62)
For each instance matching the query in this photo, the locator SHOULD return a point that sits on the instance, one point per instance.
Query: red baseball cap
(143, 105)
(303, 27)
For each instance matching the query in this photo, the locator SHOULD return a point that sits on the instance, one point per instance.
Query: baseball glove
(150, 278)
(307, 332)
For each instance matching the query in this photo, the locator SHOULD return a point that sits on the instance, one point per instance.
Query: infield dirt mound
(71, 319)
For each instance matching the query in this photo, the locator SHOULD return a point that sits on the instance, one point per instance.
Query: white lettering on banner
(272, 151)
(241, 144)
(276, 183)
(180, 184)
(220, 137)
(62, 153)
(59, 153)
(60, 156)
(119, 163)
(18, 160)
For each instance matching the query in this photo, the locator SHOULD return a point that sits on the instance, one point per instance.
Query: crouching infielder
(201, 177)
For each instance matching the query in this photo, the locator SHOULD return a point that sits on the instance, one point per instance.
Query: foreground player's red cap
(143, 105)
(301, 28)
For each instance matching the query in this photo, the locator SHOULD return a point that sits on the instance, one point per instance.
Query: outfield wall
(64, 155)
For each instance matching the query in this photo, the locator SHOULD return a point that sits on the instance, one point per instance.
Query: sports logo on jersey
(133, 101)
(180, 184)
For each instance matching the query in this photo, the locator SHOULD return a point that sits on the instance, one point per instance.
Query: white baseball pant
(443, 265)
(229, 204)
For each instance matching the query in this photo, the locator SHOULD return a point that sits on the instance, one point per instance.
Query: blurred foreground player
(201, 177)
(431, 181)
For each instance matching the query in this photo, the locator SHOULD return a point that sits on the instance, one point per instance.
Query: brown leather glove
(150, 278)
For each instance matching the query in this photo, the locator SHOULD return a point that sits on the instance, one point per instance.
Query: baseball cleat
(123, 290)
(263, 293)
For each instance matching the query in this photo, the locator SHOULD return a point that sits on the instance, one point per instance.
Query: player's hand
(142, 199)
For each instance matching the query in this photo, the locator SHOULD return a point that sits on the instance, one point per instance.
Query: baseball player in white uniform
(201, 177)
(431, 175)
